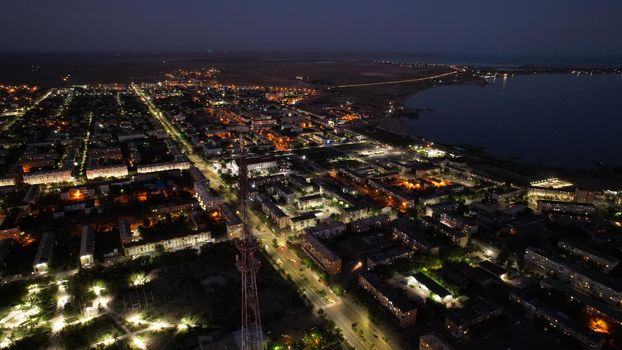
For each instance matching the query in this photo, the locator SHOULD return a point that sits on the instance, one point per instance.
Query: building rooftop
(593, 274)
(256, 160)
(45, 249)
(395, 297)
(319, 245)
(304, 216)
(492, 268)
(432, 286)
(87, 243)
(474, 313)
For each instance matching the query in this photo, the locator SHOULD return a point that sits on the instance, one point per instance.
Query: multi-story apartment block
(432, 342)
(87, 247)
(455, 236)
(167, 166)
(107, 171)
(589, 282)
(48, 177)
(605, 262)
(273, 211)
(327, 230)
(321, 254)
(204, 196)
(45, 251)
(572, 208)
(460, 322)
(559, 321)
(169, 245)
(404, 310)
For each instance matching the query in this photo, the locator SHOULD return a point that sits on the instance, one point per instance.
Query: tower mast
(248, 265)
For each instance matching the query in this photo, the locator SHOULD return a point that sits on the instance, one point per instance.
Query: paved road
(393, 81)
(21, 114)
(344, 312)
(176, 135)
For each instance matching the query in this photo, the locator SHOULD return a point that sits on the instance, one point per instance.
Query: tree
(160, 249)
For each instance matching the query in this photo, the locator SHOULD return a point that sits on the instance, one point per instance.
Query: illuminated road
(21, 114)
(393, 81)
(174, 133)
(344, 311)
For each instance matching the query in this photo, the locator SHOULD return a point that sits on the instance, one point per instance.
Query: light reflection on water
(559, 120)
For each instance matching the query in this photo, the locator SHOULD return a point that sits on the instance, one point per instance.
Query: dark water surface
(564, 121)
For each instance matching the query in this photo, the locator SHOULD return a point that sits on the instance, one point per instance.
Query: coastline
(401, 124)
(372, 100)
(512, 169)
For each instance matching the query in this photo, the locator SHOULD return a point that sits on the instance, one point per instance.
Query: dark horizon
(305, 53)
(591, 60)
(527, 28)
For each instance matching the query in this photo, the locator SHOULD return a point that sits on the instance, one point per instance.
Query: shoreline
(394, 124)
(371, 100)
(514, 167)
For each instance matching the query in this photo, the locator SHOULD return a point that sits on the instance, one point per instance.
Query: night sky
(452, 26)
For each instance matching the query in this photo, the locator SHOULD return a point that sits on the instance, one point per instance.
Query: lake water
(566, 121)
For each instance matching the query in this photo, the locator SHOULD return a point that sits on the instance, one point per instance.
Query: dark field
(316, 72)
(49, 69)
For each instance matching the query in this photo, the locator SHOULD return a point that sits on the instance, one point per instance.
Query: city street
(21, 113)
(344, 311)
